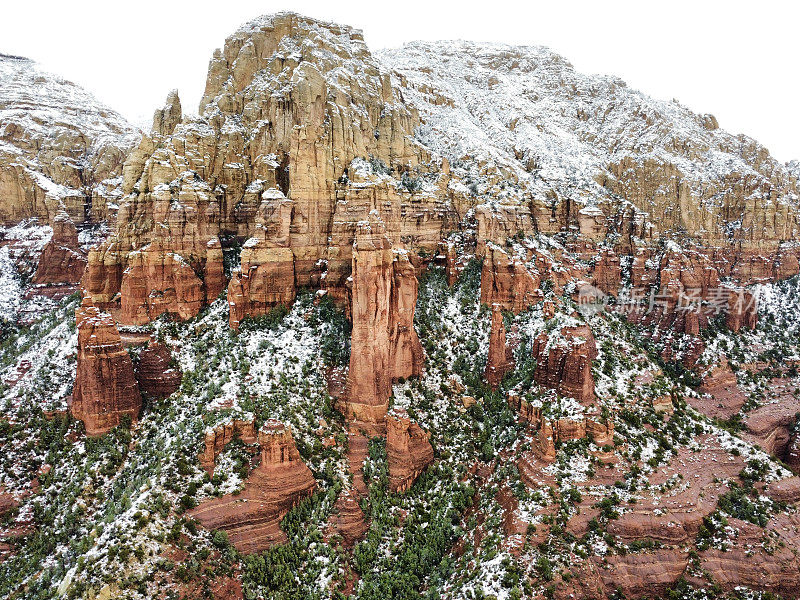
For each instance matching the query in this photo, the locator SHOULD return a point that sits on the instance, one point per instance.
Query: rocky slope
(453, 322)
(589, 152)
(60, 149)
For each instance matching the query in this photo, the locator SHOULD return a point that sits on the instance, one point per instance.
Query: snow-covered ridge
(58, 145)
(526, 111)
(39, 104)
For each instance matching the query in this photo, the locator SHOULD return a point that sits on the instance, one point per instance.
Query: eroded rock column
(384, 343)
(105, 385)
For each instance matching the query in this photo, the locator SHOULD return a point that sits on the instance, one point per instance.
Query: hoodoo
(105, 386)
(252, 518)
(384, 343)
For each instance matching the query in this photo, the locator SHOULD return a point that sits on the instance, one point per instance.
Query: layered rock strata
(252, 518)
(158, 375)
(348, 518)
(60, 149)
(105, 385)
(62, 262)
(295, 108)
(408, 451)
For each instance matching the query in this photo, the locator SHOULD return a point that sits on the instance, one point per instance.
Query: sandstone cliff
(157, 374)
(60, 149)
(252, 518)
(62, 262)
(105, 387)
(407, 450)
(384, 345)
(593, 155)
(564, 362)
(500, 359)
(302, 136)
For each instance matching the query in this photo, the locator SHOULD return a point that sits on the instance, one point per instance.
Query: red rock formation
(500, 359)
(216, 438)
(689, 294)
(506, 281)
(266, 278)
(607, 273)
(156, 374)
(407, 449)
(770, 426)
(282, 480)
(565, 364)
(448, 249)
(384, 343)
(61, 262)
(406, 357)
(720, 396)
(214, 270)
(750, 564)
(785, 490)
(348, 519)
(545, 445)
(553, 431)
(195, 180)
(742, 310)
(158, 281)
(105, 385)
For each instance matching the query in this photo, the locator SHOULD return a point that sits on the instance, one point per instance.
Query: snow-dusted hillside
(56, 141)
(527, 112)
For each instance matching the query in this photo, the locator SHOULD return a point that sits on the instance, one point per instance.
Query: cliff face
(105, 387)
(252, 518)
(60, 149)
(407, 450)
(157, 374)
(564, 363)
(384, 345)
(62, 262)
(594, 156)
(292, 110)
(500, 360)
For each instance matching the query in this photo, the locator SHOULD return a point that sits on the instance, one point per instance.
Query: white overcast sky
(737, 60)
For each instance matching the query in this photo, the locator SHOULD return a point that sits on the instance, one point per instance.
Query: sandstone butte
(219, 436)
(105, 385)
(252, 518)
(294, 191)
